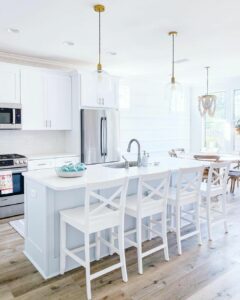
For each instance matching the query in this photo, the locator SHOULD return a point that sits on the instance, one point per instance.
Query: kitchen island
(46, 194)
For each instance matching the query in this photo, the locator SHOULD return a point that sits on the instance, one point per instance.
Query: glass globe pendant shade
(102, 83)
(174, 95)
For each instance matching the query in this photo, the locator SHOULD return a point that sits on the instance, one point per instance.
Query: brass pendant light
(173, 91)
(103, 81)
(207, 103)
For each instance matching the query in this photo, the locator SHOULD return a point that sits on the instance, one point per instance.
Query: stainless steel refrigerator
(99, 136)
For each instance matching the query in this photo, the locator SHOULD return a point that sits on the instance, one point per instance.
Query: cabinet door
(59, 101)
(88, 91)
(94, 96)
(9, 83)
(33, 100)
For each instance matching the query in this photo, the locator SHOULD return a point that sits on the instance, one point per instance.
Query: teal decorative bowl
(71, 171)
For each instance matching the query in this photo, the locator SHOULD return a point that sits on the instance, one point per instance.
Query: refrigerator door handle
(102, 140)
(105, 136)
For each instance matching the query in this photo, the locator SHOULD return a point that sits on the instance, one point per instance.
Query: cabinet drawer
(66, 160)
(40, 164)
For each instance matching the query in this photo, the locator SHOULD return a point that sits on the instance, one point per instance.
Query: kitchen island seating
(214, 193)
(99, 212)
(150, 200)
(186, 193)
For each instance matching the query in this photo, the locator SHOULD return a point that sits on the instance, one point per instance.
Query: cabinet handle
(50, 123)
(42, 164)
(46, 123)
(103, 100)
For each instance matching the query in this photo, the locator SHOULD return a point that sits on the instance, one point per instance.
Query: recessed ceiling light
(13, 30)
(113, 53)
(68, 43)
(180, 61)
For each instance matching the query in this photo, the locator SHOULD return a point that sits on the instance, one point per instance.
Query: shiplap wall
(148, 118)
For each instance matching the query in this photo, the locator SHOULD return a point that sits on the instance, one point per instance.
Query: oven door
(12, 204)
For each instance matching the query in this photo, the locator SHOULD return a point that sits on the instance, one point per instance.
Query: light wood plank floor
(211, 271)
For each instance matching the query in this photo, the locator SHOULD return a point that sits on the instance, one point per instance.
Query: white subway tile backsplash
(32, 142)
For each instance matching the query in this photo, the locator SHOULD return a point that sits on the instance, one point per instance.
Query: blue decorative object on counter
(71, 170)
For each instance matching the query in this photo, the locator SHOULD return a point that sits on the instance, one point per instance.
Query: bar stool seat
(215, 189)
(150, 207)
(103, 218)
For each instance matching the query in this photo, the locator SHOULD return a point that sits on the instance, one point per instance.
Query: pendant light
(174, 91)
(207, 103)
(102, 79)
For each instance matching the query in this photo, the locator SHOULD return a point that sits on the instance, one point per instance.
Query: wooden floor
(211, 271)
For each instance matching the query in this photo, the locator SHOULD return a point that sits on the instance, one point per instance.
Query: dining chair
(150, 200)
(214, 192)
(184, 195)
(99, 213)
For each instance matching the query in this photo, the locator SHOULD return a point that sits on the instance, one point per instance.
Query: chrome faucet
(139, 162)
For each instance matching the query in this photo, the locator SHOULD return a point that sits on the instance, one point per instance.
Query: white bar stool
(151, 199)
(105, 213)
(186, 193)
(215, 188)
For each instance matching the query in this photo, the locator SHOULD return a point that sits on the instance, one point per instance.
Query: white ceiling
(135, 29)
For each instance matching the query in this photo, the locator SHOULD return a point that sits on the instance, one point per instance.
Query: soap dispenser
(145, 159)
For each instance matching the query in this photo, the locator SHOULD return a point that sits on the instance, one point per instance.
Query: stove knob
(21, 162)
(16, 162)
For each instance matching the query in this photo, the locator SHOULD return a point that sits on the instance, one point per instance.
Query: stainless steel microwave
(10, 116)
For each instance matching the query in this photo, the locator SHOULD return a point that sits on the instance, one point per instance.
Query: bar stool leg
(178, 229)
(164, 235)
(209, 218)
(98, 245)
(224, 212)
(112, 240)
(122, 253)
(87, 266)
(139, 245)
(198, 226)
(62, 246)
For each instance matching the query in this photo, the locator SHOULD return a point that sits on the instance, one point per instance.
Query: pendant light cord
(173, 55)
(207, 79)
(99, 38)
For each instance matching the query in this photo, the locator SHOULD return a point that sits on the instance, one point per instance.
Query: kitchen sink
(121, 165)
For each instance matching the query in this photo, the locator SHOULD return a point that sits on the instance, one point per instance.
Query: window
(217, 128)
(236, 117)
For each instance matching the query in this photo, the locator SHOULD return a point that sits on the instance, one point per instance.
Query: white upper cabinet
(33, 91)
(46, 100)
(9, 83)
(59, 104)
(90, 97)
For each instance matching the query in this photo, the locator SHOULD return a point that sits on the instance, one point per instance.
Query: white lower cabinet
(46, 99)
(49, 163)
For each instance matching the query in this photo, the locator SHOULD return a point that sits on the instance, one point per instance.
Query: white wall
(148, 119)
(31, 142)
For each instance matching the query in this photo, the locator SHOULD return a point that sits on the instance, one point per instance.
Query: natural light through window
(217, 128)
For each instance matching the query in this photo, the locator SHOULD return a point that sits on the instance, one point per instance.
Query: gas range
(12, 204)
(10, 161)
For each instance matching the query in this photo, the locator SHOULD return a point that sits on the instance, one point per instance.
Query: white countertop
(50, 156)
(100, 173)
